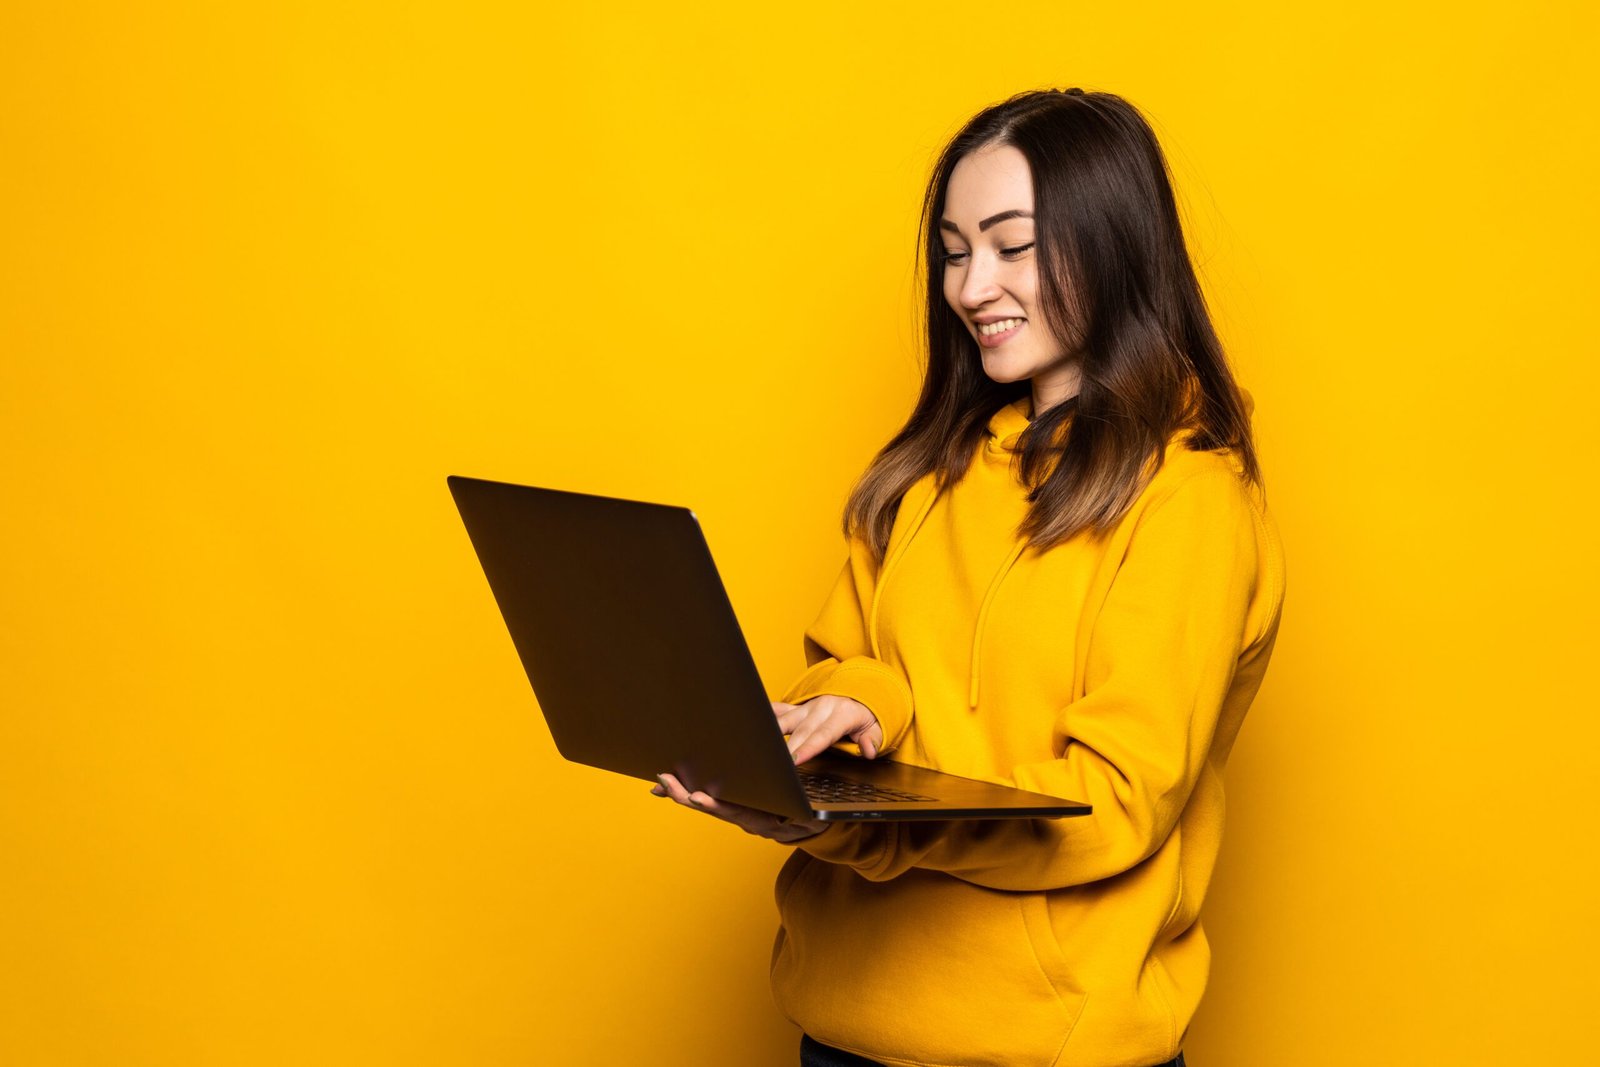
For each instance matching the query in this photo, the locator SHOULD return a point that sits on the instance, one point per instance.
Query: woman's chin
(1003, 371)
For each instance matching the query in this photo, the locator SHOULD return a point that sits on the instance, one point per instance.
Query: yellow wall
(273, 788)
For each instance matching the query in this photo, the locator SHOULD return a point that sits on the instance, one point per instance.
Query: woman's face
(991, 276)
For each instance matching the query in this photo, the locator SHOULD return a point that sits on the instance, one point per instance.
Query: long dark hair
(1116, 285)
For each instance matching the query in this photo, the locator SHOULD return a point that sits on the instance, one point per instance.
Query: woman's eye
(1010, 253)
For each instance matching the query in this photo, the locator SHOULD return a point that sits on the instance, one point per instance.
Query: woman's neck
(1055, 386)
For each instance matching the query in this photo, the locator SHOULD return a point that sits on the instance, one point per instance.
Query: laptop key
(831, 789)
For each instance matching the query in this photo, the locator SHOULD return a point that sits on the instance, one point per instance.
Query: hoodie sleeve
(839, 653)
(1199, 584)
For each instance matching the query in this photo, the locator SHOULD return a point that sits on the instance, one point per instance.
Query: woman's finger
(705, 802)
(721, 809)
(788, 720)
(812, 737)
(675, 789)
(749, 820)
(812, 743)
(787, 713)
(729, 811)
(797, 739)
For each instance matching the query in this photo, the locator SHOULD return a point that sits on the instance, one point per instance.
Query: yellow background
(273, 788)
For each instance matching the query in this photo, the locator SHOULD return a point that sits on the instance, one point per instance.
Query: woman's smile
(997, 334)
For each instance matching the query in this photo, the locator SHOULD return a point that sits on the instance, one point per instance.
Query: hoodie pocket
(923, 968)
(1052, 961)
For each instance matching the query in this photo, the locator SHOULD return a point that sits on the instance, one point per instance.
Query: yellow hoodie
(1115, 671)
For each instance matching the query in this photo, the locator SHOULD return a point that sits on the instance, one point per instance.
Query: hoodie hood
(1006, 426)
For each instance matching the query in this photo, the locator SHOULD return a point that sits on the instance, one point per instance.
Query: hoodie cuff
(872, 682)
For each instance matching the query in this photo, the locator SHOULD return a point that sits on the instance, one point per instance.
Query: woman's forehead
(985, 182)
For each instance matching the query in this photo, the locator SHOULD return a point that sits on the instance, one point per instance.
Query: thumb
(867, 737)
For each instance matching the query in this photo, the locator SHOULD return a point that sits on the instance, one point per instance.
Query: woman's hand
(750, 820)
(811, 727)
(821, 721)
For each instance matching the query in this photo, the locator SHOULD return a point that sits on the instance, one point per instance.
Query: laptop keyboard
(831, 789)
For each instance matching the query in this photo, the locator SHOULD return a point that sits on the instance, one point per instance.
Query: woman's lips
(997, 339)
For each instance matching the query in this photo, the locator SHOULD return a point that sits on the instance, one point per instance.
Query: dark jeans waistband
(814, 1053)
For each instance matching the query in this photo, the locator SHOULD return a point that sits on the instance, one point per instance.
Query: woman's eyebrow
(946, 224)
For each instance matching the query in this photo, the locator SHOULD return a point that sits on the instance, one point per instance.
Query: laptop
(631, 644)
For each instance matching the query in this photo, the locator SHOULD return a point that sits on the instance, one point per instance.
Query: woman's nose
(981, 285)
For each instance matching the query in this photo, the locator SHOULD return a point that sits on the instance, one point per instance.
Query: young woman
(1061, 576)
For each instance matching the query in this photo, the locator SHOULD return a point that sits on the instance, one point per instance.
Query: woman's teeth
(992, 328)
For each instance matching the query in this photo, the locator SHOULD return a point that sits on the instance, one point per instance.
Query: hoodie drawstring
(1005, 432)
(983, 617)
